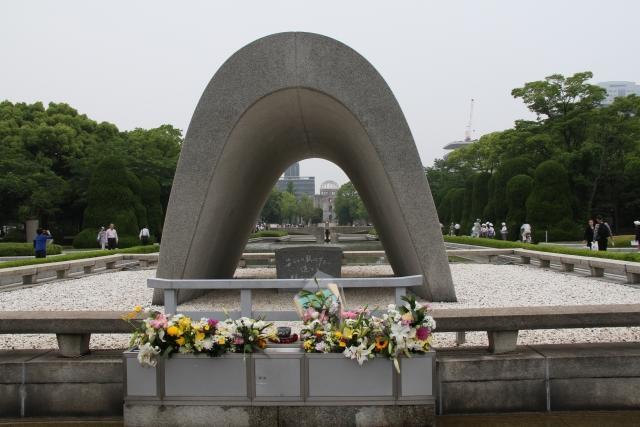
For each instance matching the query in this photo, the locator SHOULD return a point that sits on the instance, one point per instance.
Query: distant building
(618, 88)
(457, 144)
(326, 198)
(293, 170)
(301, 184)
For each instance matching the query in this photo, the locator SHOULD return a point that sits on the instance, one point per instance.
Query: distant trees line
(579, 159)
(73, 173)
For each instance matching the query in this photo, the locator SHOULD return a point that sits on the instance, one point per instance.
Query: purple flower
(422, 333)
(212, 322)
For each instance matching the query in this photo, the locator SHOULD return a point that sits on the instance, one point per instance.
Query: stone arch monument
(284, 98)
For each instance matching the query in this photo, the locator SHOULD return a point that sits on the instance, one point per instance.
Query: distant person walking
(144, 235)
(40, 242)
(491, 232)
(589, 234)
(456, 229)
(504, 232)
(112, 237)
(102, 238)
(327, 236)
(602, 233)
(525, 232)
(475, 231)
(637, 224)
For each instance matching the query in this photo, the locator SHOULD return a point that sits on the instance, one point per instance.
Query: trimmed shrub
(480, 195)
(517, 191)
(268, 233)
(14, 235)
(26, 249)
(110, 198)
(86, 239)
(507, 170)
(549, 204)
(150, 195)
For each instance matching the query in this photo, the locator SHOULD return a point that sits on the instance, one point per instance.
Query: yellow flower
(206, 327)
(381, 343)
(407, 317)
(137, 309)
(173, 331)
(180, 341)
(348, 333)
(199, 336)
(184, 322)
(338, 334)
(343, 344)
(308, 345)
(221, 341)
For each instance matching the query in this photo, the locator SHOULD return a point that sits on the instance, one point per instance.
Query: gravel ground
(477, 285)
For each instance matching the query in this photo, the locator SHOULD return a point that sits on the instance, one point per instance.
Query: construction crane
(467, 132)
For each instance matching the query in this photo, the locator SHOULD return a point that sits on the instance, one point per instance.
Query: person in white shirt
(504, 232)
(102, 238)
(144, 235)
(112, 237)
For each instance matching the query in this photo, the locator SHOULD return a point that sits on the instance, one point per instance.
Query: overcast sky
(145, 63)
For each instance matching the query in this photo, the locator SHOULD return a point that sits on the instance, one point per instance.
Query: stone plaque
(303, 262)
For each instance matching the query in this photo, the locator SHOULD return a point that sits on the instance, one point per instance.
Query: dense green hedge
(81, 255)
(88, 239)
(494, 243)
(268, 233)
(26, 249)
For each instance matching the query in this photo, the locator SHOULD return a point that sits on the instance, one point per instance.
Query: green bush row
(88, 239)
(494, 243)
(26, 249)
(268, 233)
(80, 255)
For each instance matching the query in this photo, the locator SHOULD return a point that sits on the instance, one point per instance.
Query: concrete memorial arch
(284, 98)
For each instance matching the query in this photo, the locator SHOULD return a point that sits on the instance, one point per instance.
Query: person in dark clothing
(327, 236)
(602, 233)
(40, 243)
(589, 233)
(637, 224)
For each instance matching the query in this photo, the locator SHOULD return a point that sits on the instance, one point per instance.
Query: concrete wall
(535, 378)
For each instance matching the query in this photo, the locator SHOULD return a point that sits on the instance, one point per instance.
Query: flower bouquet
(158, 335)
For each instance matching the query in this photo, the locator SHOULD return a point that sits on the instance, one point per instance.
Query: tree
(563, 100)
(505, 171)
(517, 191)
(317, 216)
(548, 205)
(151, 198)
(348, 205)
(288, 207)
(480, 194)
(305, 208)
(290, 189)
(111, 199)
(271, 212)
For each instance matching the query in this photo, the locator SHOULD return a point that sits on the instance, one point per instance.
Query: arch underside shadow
(281, 99)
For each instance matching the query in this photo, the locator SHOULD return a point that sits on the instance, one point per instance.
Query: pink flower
(349, 315)
(422, 333)
(308, 314)
(212, 322)
(323, 316)
(159, 322)
(238, 341)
